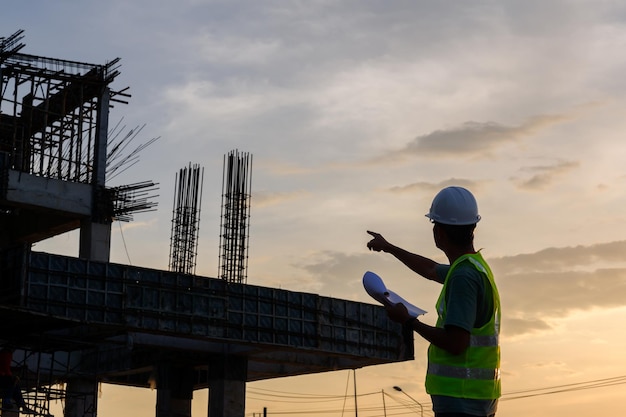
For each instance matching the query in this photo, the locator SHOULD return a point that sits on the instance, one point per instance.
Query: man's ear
(439, 231)
(441, 237)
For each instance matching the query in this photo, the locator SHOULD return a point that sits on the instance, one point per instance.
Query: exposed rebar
(234, 236)
(186, 219)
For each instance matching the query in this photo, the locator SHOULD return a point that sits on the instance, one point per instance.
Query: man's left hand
(398, 313)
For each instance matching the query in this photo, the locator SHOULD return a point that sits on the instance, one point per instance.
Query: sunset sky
(356, 114)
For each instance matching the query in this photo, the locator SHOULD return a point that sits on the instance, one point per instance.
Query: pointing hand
(378, 243)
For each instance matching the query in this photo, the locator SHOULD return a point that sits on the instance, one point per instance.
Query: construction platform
(125, 319)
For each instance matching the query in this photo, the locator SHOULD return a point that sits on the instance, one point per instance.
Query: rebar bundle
(123, 201)
(186, 219)
(234, 237)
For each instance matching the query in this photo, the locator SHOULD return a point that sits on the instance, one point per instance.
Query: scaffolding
(42, 377)
(186, 219)
(55, 153)
(234, 237)
(51, 113)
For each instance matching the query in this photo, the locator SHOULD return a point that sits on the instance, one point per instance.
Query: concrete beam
(28, 190)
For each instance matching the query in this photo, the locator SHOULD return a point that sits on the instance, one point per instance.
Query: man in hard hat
(463, 376)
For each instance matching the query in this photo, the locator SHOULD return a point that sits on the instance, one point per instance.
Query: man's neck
(455, 253)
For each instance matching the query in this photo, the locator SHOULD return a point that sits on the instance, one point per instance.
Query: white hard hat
(454, 205)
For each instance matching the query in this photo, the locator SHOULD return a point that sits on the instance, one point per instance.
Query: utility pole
(397, 388)
(356, 406)
(384, 406)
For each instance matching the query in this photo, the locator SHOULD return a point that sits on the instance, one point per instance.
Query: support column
(95, 241)
(227, 386)
(95, 232)
(174, 390)
(81, 397)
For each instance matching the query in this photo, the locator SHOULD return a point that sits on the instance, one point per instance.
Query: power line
(559, 389)
(304, 398)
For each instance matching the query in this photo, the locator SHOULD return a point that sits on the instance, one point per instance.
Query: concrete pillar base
(174, 390)
(227, 386)
(81, 398)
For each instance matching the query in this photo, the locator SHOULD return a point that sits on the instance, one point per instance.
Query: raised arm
(417, 263)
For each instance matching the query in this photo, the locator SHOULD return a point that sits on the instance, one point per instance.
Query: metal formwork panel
(75, 289)
(162, 302)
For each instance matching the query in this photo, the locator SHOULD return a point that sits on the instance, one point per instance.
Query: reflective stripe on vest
(484, 341)
(463, 373)
(476, 372)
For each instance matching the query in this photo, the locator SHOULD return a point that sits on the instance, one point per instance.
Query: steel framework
(186, 219)
(51, 112)
(54, 134)
(234, 237)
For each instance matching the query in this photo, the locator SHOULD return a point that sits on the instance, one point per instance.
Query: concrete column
(95, 241)
(102, 138)
(174, 390)
(95, 232)
(227, 386)
(81, 398)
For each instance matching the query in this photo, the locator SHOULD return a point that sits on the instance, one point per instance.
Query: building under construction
(76, 322)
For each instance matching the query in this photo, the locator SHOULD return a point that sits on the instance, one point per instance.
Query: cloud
(550, 284)
(433, 188)
(555, 367)
(332, 268)
(285, 168)
(263, 199)
(230, 50)
(518, 326)
(558, 259)
(544, 175)
(472, 139)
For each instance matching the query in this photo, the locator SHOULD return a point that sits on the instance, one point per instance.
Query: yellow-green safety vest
(475, 373)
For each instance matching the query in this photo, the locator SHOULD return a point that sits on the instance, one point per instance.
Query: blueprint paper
(376, 288)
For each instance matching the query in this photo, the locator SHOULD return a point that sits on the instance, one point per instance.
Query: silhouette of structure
(82, 321)
(54, 118)
(234, 237)
(186, 220)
